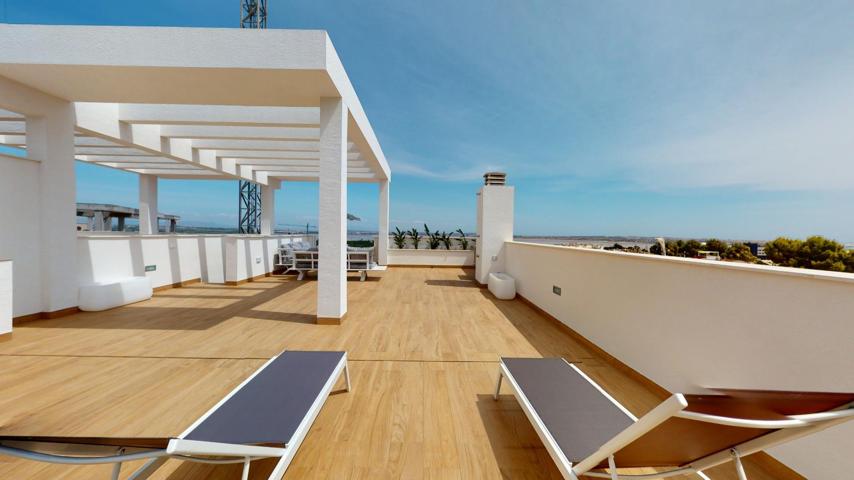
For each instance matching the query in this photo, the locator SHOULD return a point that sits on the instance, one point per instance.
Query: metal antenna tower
(253, 14)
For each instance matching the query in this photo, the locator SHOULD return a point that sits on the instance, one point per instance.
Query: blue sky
(729, 119)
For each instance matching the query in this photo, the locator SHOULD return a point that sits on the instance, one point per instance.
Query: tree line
(816, 252)
(691, 249)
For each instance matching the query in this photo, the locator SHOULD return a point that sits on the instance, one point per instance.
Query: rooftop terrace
(423, 345)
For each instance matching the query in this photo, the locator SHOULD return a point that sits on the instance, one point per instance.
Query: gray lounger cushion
(270, 407)
(577, 415)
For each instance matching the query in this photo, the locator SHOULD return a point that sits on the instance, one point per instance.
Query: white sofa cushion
(94, 297)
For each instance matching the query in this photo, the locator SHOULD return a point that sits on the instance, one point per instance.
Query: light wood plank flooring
(423, 346)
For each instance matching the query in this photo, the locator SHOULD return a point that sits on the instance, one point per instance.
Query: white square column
(332, 221)
(268, 209)
(50, 140)
(148, 205)
(382, 223)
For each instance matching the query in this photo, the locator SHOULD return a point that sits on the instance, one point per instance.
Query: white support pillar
(148, 205)
(268, 209)
(50, 140)
(382, 224)
(332, 221)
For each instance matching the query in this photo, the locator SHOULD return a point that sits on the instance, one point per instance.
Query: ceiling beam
(13, 140)
(102, 120)
(116, 151)
(277, 155)
(259, 145)
(11, 127)
(285, 163)
(240, 132)
(220, 115)
(127, 159)
(131, 166)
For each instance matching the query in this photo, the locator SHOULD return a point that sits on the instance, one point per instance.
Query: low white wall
(177, 258)
(5, 296)
(248, 256)
(689, 324)
(436, 258)
(19, 234)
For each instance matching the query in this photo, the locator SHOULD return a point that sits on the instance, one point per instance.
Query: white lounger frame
(795, 426)
(308, 261)
(189, 450)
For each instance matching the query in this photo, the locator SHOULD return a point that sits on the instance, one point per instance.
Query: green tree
(674, 249)
(690, 248)
(815, 252)
(739, 252)
(822, 254)
(715, 245)
(783, 251)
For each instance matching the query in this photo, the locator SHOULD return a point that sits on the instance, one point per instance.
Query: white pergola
(268, 106)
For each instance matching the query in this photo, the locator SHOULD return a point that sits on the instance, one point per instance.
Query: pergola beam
(286, 163)
(171, 114)
(102, 120)
(240, 132)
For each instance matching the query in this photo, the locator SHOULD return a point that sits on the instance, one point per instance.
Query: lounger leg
(117, 469)
(739, 468)
(363, 275)
(497, 385)
(612, 467)
(247, 461)
(148, 469)
(301, 275)
(347, 375)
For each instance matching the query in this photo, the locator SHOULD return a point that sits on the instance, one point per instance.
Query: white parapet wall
(431, 258)
(5, 296)
(691, 324)
(175, 259)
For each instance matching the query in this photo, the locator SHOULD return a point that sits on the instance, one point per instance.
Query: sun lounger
(585, 429)
(268, 415)
(304, 262)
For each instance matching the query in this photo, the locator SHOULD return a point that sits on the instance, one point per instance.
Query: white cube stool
(94, 297)
(501, 285)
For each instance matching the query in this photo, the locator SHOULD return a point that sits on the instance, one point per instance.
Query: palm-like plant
(464, 242)
(446, 240)
(415, 236)
(433, 238)
(399, 238)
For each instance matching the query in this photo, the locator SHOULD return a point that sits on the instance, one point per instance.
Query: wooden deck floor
(423, 347)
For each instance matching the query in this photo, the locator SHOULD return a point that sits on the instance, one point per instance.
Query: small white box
(501, 285)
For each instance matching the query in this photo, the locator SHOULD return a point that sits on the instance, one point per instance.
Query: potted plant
(415, 236)
(399, 238)
(464, 242)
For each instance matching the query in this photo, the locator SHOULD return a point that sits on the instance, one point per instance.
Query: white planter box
(431, 258)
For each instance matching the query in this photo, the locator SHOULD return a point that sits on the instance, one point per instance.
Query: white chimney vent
(494, 178)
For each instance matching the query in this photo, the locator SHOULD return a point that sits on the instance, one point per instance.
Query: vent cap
(494, 178)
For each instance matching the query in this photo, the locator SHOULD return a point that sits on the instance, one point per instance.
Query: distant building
(756, 249)
(100, 217)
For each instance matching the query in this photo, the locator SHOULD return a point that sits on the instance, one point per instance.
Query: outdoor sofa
(267, 416)
(584, 429)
